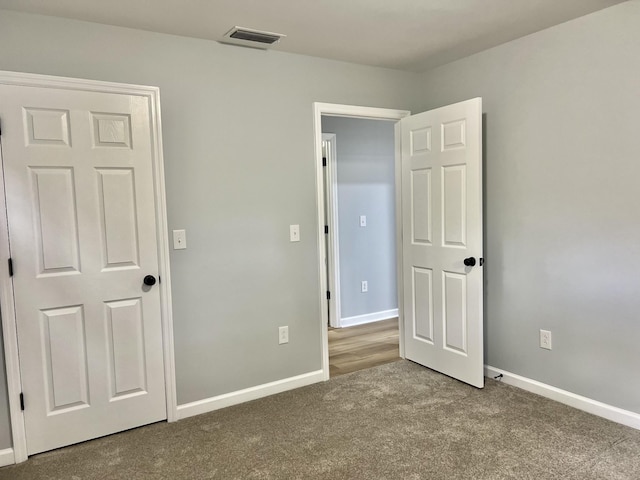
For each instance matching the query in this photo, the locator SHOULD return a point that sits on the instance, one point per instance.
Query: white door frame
(7, 306)
(353, 111)
(333, 246)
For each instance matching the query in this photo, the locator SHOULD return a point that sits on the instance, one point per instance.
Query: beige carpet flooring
(396, 421)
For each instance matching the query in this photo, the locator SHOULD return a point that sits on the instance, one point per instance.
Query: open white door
(82, 228)
(442, 240)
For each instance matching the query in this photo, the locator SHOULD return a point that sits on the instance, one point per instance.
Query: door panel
(116, 194)
(454, 316)
(454, 225)
(55, 210)
(47, 127)
(65, 362)
(442, 225)
(81, 212)
(423, 304)
(421, 217)
(126, 347)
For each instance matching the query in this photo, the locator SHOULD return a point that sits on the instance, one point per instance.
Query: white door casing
(83, 224)
(340, 110)
(441, 226)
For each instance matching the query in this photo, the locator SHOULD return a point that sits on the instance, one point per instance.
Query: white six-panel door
(82, 230)
(442, 226)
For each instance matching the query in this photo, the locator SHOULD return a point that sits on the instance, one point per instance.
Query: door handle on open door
(470, 262)
(149, 280)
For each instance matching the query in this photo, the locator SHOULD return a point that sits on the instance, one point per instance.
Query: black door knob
(470, 262)
(149, 280)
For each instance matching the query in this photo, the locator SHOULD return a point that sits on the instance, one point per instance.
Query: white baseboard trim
(7, 457)
(252, 393)
(368, 318)
(615, 414)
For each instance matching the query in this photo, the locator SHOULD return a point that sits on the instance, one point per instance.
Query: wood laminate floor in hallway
(362, 346)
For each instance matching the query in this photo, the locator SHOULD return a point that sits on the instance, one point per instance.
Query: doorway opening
(358, 192)
(359, 183)
(438, 209)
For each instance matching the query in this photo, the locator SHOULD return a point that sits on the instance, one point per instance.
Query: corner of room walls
(559, 240)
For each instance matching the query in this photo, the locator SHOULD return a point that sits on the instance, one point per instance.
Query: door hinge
(159, 279)
(324, 161)
(0, 127)
(11, 267)
(326, 229)
(328, 295)
(22, 401)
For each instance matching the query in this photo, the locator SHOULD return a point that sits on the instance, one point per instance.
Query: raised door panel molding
(453, 135)
(420, 141)
(44, 127)
(423, 304)
(112, 130)
(454, 312)
(119, 226)
(65, 358)
(421, 215)
(454, 208)
(56, 220)
(127, 359)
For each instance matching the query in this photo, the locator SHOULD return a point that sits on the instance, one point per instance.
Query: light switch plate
(363, 220)
(179, 239)
(294, 233)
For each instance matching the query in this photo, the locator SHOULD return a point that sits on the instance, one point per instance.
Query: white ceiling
(403, 34)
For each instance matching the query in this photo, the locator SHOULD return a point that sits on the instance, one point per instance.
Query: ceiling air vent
(251, 38)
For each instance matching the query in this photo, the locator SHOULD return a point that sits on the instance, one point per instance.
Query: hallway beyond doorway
(362, 346)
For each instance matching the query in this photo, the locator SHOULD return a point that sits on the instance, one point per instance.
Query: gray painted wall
(561, 213)
(562, 209)
(366, 186)
(239, 164)
(5, 425)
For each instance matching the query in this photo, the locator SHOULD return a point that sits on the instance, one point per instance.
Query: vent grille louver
(255, 37)
(251, 38)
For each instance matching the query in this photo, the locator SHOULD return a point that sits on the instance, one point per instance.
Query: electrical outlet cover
(283, 335)
(545, 339)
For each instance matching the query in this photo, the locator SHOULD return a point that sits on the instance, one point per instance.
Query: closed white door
(442, 240)
(82, 231)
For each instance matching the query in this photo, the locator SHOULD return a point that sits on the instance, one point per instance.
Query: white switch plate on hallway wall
(179, 239)
(294, 233)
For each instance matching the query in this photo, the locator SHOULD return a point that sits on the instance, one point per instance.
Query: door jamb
(7, 305)
(333, 250)
(353, 111)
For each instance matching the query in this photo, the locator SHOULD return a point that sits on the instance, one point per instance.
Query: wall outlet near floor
(283, 335)
(365, 286)
(545, 339)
